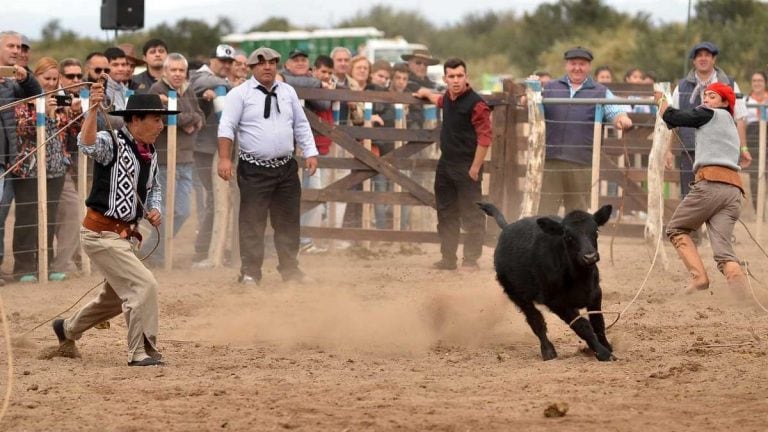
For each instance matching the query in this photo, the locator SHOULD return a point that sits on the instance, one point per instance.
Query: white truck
(359, 40)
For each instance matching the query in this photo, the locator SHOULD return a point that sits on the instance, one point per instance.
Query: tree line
(510, 42)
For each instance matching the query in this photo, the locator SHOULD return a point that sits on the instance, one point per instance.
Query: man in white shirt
(267, 118)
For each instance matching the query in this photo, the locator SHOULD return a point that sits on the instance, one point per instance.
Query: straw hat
(421, 54)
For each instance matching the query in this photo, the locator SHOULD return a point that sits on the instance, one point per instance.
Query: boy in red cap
(715, 196)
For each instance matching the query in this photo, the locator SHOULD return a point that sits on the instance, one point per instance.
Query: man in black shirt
(464, 142)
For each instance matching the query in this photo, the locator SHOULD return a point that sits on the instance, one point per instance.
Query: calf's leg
(583, 328)
(598, 321)
(539, 327)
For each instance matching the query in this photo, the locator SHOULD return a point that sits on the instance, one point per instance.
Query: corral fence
(349, 172)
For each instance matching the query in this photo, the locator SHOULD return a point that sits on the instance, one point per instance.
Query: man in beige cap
(267, 118)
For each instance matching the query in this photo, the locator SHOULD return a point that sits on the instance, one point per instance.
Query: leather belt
(98, 222)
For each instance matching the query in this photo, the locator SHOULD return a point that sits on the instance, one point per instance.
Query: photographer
(25, 175)
(68, 214)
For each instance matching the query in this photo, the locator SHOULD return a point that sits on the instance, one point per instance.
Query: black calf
(553, 262)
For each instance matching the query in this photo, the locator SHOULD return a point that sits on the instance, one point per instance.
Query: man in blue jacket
(567, 167)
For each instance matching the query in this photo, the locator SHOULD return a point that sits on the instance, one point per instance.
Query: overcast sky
(28, 16)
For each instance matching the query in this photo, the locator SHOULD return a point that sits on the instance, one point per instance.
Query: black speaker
(122, 14)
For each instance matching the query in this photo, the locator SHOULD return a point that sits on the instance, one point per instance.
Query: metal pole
(687, 38)
(82, 183)
(170, 181)
(760, 204)
(42, 193)
(597, 144)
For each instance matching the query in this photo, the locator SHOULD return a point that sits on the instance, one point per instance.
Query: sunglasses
(420, 62)
(98, 71)
(74, 76)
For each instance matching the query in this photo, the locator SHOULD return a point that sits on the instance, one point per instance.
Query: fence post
(82, 183)
(536, 150)
(760, 204)
(222, 201)
(396, 209)
(597, 143)
(332, 207)
(661, 141)
(42, 193)
(170, 179)
(427, 215)
(367, 114)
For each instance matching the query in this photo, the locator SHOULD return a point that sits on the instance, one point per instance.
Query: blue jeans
(383, 212)
(181, 207)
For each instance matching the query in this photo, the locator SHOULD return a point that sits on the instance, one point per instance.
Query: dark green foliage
(510, 42)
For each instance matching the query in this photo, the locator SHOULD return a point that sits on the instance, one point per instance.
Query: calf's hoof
(605, 355)
(548, 354)
(605, 343)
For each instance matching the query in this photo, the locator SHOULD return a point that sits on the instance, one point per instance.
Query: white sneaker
(204, 264)
(311, 249)
(314, 249)
(248, 280)
(343, 245)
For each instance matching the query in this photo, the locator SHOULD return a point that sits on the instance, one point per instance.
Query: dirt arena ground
(382, 342)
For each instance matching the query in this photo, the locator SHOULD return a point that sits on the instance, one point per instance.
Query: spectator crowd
(202, 88)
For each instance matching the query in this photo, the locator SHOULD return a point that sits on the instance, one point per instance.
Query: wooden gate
(500, 176)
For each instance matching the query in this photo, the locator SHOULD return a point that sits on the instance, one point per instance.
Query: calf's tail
(492, 211)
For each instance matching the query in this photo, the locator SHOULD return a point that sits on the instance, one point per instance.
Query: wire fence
(199, 196)
(623, 156)
(23, 242)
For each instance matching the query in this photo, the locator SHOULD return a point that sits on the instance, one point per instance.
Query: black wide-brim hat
(143, 104)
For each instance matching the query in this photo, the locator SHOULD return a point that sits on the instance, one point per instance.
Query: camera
(63, 100)
(7, 71)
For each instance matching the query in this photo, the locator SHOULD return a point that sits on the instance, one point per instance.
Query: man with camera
(67, 214)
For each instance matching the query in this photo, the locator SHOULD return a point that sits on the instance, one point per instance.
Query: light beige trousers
(131, 289)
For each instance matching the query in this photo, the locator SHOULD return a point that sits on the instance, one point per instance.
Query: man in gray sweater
(189, 123)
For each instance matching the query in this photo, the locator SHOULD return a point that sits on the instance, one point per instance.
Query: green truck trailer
(314, 43)
(367, 41)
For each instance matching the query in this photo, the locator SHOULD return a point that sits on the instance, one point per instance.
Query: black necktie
(268, 100)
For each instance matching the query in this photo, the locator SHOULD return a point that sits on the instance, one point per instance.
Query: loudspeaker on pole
(122, 14)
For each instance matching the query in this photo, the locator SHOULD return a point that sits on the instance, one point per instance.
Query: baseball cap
(709, 46)
(262, 53)
(25, 42)
(224, 52)
(297, 53)
(578, 52)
